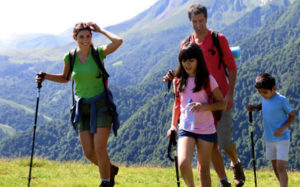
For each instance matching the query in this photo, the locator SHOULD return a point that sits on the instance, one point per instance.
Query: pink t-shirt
(204, 120)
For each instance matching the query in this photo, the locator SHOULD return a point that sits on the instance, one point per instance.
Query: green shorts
(104, 117)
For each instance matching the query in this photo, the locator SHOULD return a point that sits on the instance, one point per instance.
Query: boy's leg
(186, 147)
(275, 168)
(282, 151)
(282, 173)
(204, 157)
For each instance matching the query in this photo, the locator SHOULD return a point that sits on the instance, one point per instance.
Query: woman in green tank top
(85, 72)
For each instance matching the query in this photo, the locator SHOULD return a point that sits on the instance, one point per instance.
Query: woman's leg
(100, 142)
(204, 157)
(186, 146)
(87, 143)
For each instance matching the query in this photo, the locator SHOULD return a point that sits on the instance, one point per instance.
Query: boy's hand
(278, 132)
(251, 108)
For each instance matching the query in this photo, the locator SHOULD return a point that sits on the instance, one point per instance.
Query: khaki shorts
(277, 150)
(225, 131)
(104, 117)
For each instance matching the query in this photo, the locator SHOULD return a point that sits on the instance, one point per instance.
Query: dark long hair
(188, 51)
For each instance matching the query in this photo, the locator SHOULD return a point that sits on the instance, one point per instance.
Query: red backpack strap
(209, 92)
(176, 94)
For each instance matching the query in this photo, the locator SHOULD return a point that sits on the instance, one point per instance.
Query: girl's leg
(275, 169)
(218, 161)
(186, 146)
(282, 173)
(87, 143)
(100, 141)
(204, 156)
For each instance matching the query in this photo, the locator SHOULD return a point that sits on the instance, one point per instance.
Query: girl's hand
(169, 76)
(169, 131)
(94, 27)
(197, 106)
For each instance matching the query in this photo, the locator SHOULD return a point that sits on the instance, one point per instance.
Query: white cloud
(55, 16)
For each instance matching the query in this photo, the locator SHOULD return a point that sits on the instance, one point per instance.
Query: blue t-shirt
(275, 113)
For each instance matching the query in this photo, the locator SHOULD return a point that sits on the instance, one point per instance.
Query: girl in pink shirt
(192, 78)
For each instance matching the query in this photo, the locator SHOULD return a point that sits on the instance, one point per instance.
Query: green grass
(14, 172)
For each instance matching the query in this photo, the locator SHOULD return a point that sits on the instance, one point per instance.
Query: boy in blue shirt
(277, 117)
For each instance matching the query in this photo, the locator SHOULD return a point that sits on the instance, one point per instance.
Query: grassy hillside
(14, 173)
(6, 130)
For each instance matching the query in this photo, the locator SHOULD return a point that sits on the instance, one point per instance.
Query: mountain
(36, 41)
(268, 37)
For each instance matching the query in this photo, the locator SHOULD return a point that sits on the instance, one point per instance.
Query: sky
(20, 17)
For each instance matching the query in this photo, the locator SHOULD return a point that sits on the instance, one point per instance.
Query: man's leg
(225, 134)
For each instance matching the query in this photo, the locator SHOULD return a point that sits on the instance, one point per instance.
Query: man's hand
(228, 102)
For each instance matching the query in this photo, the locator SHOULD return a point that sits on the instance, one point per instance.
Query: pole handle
(40, 75)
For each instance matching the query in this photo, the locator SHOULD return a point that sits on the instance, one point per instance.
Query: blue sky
(20, 17)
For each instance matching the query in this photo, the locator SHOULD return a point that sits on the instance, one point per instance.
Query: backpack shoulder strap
(185, 41)
(99, 63)
(176, 94)
(72, 55)
(215, 38)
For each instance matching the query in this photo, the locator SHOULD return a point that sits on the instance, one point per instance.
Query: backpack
(217, 114)
(217, 44)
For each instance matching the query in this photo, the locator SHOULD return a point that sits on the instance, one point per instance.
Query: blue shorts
(206, 137)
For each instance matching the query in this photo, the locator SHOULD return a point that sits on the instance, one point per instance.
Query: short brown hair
(197, 9)
(80, 27)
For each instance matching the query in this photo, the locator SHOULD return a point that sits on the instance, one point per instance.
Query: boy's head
(265, 85)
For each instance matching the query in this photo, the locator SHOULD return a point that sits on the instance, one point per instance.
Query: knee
(225, 143)
(90, 154)
(281, 169)
(183, 163)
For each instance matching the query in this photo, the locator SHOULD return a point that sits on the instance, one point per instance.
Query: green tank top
(85, 75)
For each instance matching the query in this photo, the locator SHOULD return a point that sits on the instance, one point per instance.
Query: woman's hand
(40, 77)
(94, 27)
(170, 130)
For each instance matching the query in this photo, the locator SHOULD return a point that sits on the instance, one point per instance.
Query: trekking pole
(252, 145)
(39, 86)
(174, 143)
